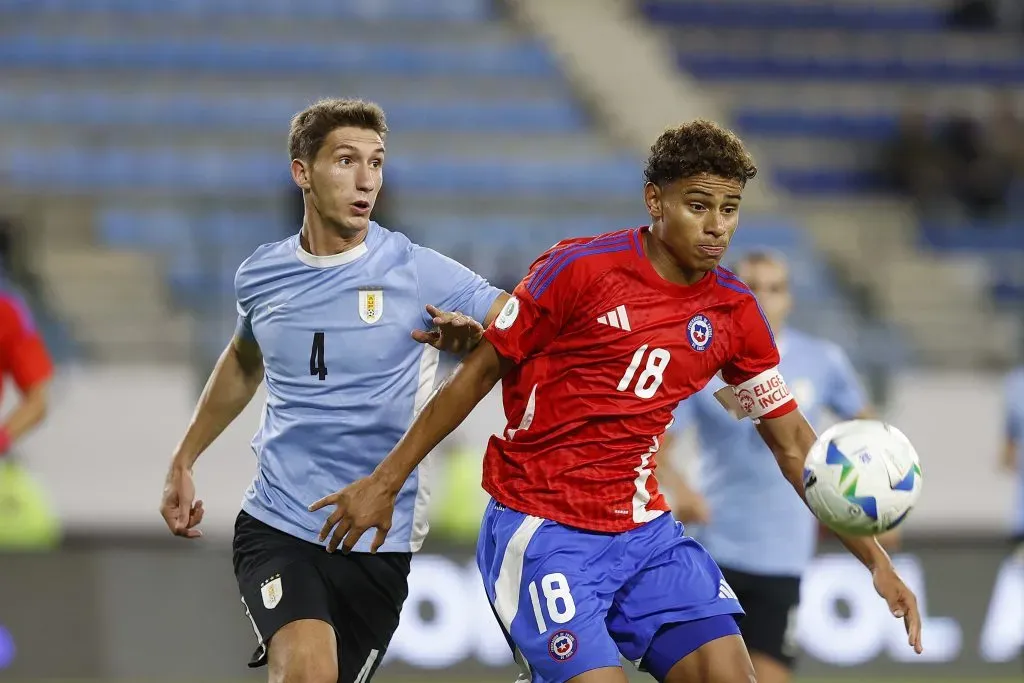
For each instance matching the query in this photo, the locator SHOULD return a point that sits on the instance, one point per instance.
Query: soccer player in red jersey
(23, 358)
(596, 348)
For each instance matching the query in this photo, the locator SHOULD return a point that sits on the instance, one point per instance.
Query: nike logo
(271, 307)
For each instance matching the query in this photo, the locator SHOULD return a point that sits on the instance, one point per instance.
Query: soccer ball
(862, 477)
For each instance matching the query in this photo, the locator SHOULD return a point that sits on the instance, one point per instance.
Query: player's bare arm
(456, 332)
(790, 438)
(30, 411)
(369, 503)
(231, 386)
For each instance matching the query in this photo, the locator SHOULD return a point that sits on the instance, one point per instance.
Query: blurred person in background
(331, 318)
(459, 502)
(762, 536)
(26, 520)
(916, 165)
(1013, 448)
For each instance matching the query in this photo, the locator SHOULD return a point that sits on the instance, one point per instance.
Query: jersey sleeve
(753, 370)
(846, 396)
(538, 309)
(451, 286)
(26, 356)
(243, 306)
(1014, 402)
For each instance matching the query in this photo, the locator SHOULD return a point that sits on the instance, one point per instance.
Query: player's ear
(300, 173)
(652, 198)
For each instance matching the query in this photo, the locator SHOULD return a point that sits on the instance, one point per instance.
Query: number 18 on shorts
(571, 600)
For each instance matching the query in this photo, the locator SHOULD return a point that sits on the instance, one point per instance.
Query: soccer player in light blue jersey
(1013, 449)
(324, 318)
(761, 535)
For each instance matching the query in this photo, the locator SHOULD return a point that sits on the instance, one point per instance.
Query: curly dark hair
(314, 123)
(697, 147)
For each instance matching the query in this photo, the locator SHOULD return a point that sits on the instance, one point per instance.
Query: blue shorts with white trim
(571, 600)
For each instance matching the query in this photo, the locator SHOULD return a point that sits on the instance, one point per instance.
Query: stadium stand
(161, 126)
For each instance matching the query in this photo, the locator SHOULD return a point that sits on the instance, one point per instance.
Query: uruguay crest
(371, 305)
(272, 591)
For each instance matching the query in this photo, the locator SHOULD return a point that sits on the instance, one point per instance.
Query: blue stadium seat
(62, 107)
(252, 172)
(838, 125)
(722, 67)
(523, 58)
(357, 10)
(790, 15)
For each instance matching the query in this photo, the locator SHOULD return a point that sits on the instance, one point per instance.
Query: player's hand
(690, 507)
(362, 505)
(180, 510)
(454, 332)
(902, 603)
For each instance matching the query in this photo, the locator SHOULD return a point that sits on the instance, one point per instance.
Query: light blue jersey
(344, 378)
(1015, 432)
(758, 523)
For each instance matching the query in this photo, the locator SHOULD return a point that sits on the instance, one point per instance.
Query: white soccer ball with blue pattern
(862, 477)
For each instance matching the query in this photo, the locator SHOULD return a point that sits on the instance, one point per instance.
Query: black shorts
(283, 579)
(770, 603)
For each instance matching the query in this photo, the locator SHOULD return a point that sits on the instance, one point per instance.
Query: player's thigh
(721, 660)
(280, 585)
(673, 581)
(368, 591)
(769, 627)
(303, 651)
(550, 587)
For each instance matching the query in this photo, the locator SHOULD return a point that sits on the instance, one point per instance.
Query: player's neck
(319, 239)
(665, 265)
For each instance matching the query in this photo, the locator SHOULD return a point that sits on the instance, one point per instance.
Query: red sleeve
(755, 349)
(21, 346)
(539, 307)
(754, 365)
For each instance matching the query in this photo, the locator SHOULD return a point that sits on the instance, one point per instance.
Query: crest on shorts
(699, 331)
(272, 591)
(371, 305)
(562, 645)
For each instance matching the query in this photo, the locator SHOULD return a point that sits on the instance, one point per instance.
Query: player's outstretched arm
(790, 438)
(231, 386)
(369, 502)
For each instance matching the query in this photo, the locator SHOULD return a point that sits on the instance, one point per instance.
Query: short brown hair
(314, 123)
(697, 147)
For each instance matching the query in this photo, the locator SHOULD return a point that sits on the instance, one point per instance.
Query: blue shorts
(571, 600)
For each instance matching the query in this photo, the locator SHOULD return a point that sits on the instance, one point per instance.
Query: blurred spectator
(980, 173)
(26, 519)
(973, 15)
(960, 167)
(915, 164)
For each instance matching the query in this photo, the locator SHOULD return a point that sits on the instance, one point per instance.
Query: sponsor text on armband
(764, 395)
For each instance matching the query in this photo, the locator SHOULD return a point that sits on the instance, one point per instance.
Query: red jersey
(605, 350)
(23, 356)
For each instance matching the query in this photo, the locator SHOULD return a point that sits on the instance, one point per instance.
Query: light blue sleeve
(243, 327)
(451, 286)
(845, 395)
(1014, 402)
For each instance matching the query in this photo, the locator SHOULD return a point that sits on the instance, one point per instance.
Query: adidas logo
(725, 591)
(617, 319)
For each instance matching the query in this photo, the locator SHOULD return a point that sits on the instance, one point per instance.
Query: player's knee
(304, 652)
